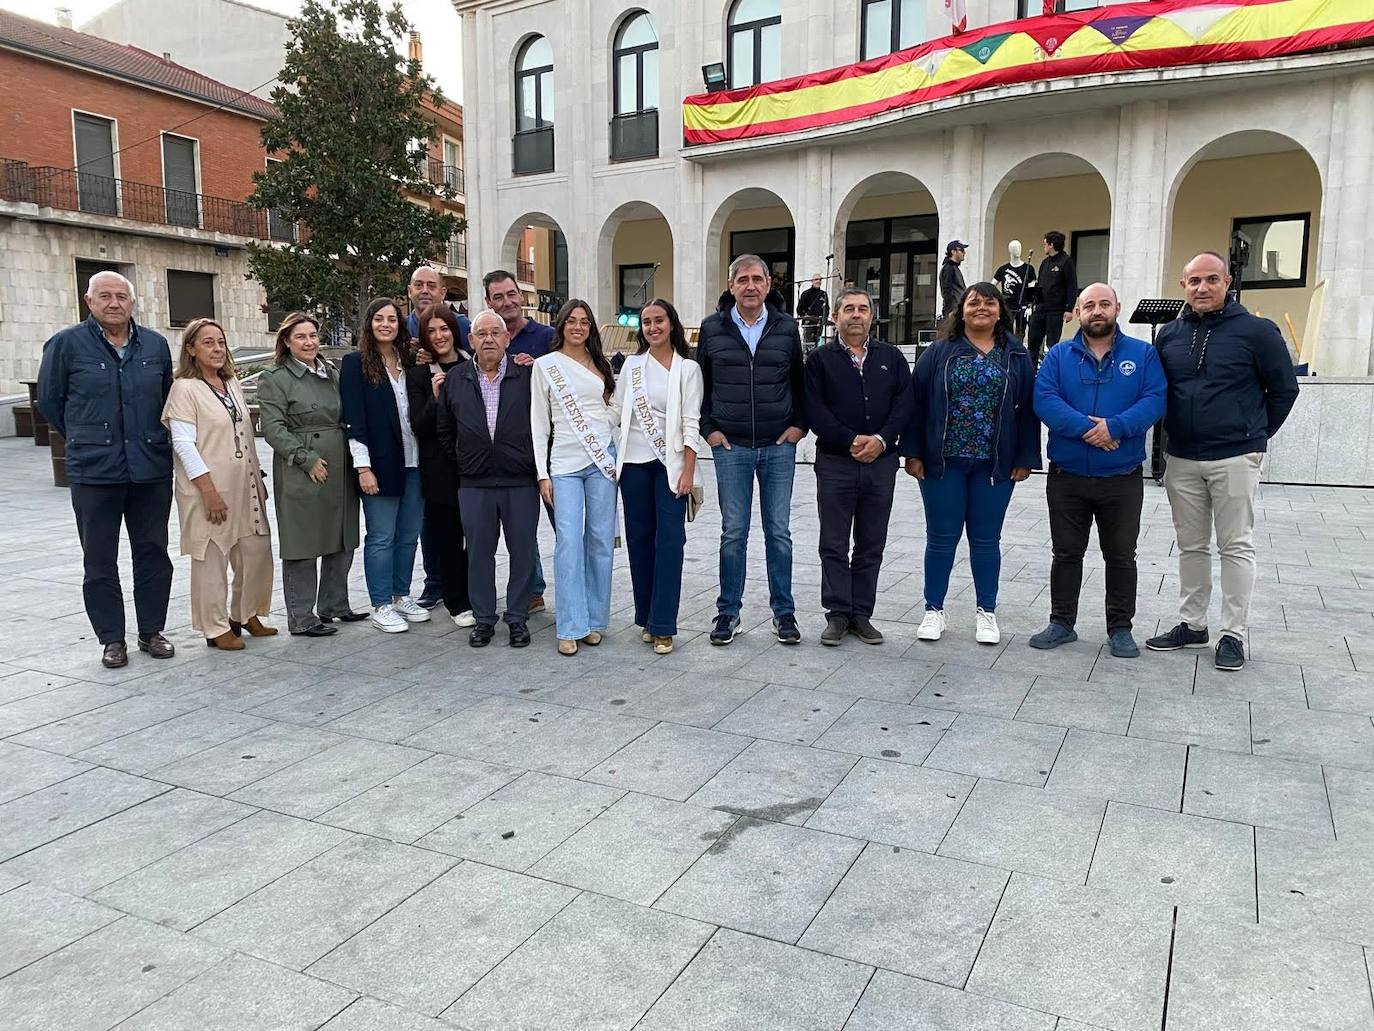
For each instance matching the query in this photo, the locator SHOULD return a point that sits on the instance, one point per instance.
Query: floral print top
(976, 386)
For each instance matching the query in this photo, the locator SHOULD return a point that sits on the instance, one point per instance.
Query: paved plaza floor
(401, 833)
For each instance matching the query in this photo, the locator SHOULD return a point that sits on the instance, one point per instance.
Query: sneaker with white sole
(932, 625)
(386, 619)
(411, 611)
(985, 629)
(463, 620)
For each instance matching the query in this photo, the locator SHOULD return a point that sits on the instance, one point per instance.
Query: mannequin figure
(1015, 279)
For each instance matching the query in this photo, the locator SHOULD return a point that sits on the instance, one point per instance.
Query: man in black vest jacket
(858, 399)
(1058, 283)
(484, 422)
(751, 415)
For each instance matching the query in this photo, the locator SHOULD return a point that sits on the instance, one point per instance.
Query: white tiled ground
(371, 833)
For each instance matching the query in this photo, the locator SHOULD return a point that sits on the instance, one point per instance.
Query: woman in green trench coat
(317, 502)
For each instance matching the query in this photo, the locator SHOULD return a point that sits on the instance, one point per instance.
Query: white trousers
(1220, 495)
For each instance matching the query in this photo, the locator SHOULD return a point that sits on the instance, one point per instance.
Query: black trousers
(487, 513)
(444, 525)
(1044, 330)
(1075, 502)
(855, 502)
(144, 509)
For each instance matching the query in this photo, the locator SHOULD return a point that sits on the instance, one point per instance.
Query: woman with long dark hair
(386, 455)
(317, 500)
(437, 331)
(573, 425)
(973, 437)
(658, 396)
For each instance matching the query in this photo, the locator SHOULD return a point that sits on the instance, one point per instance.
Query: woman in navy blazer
(376, 408)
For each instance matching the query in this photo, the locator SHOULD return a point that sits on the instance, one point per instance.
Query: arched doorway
(536, 251)
(635, 260)
(886, 241)
(1265, 186)
(752, 221)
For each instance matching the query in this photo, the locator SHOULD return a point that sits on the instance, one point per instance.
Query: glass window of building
(891, 25)
(754, 42)
(534, 85)
(636, 65)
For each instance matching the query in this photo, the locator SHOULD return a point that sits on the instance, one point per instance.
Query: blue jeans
(736, 470)
(655, 536)
(964, 500)
(584, 522)
(393, 533)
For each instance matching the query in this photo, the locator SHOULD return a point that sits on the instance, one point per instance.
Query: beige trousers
(251, 560)
(1219, 494)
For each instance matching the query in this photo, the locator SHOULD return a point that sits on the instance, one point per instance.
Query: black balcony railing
(533, 151)
(634, 136)
(68, 190)
(524, 270)
(441, 174)
(456, 255)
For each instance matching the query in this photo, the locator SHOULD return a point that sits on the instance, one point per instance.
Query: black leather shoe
(318, 630)
(157, 646)
(481, 635)
(835, 629)
(519, 635)
(345, 617)
(862, 628)
(116, 655)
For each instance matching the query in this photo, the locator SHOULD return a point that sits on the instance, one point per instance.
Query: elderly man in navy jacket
(102, 384)
(1231, 386)
(858, 399)
(1098, 394)
(751, 415)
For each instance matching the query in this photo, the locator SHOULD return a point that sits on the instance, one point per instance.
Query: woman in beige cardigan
(659, 398)
(221, 498)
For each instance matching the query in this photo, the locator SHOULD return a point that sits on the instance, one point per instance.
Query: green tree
(350, 131)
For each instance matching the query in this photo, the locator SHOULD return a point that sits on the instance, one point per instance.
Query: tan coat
(238, 479)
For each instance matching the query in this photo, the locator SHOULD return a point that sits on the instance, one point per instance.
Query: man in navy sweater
(858, 399)
(1098, 394)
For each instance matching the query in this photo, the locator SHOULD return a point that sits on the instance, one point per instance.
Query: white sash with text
(577, 422)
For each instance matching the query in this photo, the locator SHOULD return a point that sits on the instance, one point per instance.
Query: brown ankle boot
(258, 628)
(225, 642)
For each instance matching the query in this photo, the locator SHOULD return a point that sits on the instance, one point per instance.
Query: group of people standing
(456, 434)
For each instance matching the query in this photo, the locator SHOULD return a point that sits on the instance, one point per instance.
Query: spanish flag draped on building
(1117, 38)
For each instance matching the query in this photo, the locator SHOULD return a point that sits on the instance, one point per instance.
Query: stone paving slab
(463, 821)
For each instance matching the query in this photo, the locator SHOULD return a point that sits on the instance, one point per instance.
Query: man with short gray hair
(102, 385)
(751, 415)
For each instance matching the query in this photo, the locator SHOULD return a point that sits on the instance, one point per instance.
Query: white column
(962, 201)
(1139, 226)
(479, 156)
(814, 215)
(694, 287)
(1345, 256)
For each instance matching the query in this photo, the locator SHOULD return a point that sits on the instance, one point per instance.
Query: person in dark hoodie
(952, 277)
(751, 415)
(1231, 386)
(972, 437)
(1098, 394)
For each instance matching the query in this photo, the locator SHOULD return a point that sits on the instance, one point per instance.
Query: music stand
(1154, 313)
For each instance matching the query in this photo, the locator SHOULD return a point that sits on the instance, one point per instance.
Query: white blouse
(362, 457)
(637, 447)
(548, 421)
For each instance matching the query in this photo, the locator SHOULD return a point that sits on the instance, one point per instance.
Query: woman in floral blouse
(974, 436)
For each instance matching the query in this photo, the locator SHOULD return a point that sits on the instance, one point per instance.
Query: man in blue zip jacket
(102, 385)
(1098, 394)
(1231, 386)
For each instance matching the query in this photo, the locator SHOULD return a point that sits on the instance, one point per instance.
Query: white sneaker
(411, 611)
(386, 619)
(932, 625)
(985, 628)
(465, 619)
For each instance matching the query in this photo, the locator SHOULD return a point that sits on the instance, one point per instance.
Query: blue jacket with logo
(1127, 389)
(108, 411)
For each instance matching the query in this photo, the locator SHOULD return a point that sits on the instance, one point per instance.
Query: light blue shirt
(752, 334)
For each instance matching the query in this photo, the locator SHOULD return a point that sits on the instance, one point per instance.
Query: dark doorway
(897, 261)
(777, 248)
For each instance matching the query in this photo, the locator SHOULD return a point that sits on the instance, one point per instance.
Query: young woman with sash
(659, 400)
(573, 427)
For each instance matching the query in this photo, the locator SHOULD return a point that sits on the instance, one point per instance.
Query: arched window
(891, 25)
(534, 85)
(636, 65)
(754, 42)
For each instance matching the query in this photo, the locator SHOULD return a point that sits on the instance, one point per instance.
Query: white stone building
(1140, 169)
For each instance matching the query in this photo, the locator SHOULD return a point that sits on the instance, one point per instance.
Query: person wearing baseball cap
(952, 277)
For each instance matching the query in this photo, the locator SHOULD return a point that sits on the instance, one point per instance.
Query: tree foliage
(350, 131)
